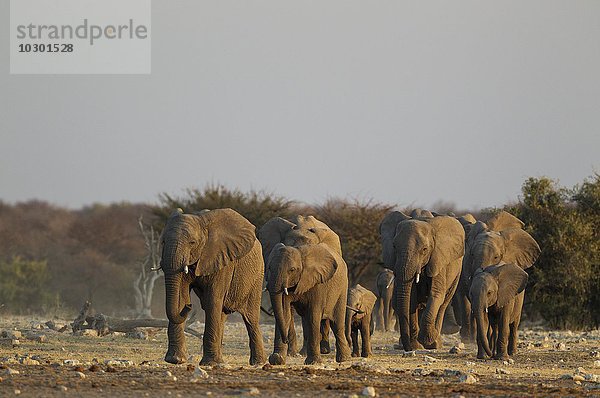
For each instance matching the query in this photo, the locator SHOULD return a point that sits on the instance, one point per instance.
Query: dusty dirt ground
(549, 363)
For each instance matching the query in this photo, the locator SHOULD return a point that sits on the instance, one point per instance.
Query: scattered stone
(11, 334)
(369, 367)
(455, 350)
(111, 369)
(429, 359)
(421, 372)
(10, 342)
(199, 374)
(10, 372)
(595, 354)
(95, 368)
(17, 392)
(467, 378)
(470, 363)
(368, 392)
(81, 375)
(62, 388)
(29, 361)
(267, 366)
(190, 367)
(578, 378)
(452, 372)
(168, 374)
(253, 391)
(597, 364)
(118, 362)
(461, 345)
(501, 371)
(71, 362)
(560, 346)
(536, 374)
(138, 334)
(280, 374)
(87, 333)
(409, 354)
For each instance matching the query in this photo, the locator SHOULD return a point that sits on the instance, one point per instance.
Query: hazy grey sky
(405, 102)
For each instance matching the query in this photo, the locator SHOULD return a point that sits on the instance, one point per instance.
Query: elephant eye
(193, 242)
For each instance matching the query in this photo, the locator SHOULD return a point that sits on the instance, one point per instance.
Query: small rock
(452, 372)
(578, 378)
(267, 366)
(10, 372)
(429, 359)
(111, 369)
(253, 391)
(62, 388)
(11, 334)
(597, 364)
(71, 362)
(461, 345)
(368, 391)
(280, 374)
(501, 371)
(595, 354)
(118, 362)
(409, 354)
(467, 378)
(95, 368)
(29, 361)
(138, 334)
(81, 375)
(87, 333)
(168, 374)
(455, 350)
(17, 392)
(536, 374)
(199, 374)
(560, 346)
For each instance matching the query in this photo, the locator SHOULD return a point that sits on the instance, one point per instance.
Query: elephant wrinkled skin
(359, 318)
(426, 255)
(216, 254)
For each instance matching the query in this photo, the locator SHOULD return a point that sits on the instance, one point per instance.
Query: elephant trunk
(281, 315)
(349, 314)
(482, 328)
(178, 303)
(403, 293)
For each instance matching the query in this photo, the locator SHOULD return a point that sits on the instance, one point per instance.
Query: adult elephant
(299, 230)
(314, 280)
(433, 246)
(386, 318)
(500, 240)
(216, 254)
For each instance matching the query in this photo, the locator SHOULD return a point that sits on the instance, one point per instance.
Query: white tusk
(418, 275)
(390, 283)
(155, 268)
(285, 291)
(486, 310)
(264, 290)
(186, 269)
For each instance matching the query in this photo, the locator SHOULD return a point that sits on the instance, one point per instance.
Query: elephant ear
(368, 299)
(512, 280)
(449, 238)
(328, 237)
(272, 233)
(387, 230)
(520, 248)
(476, 229)
(420, 213)
(229, 236)
(504, 220)
(319, 264)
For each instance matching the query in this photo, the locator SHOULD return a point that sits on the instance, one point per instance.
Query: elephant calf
(359, 317)
(496, 295)
(386, 316)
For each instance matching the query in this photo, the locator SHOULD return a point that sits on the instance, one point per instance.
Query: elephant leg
(213, 331)
(280, 350)
(354, 338)
(313, 337)
(388, 313)
(257, 351)
(467, 334)
(305, 328)
(176, 352)
(342, 349)
(365, 334)
(502, 341)
(292, 338)
(379, 311)
(493, 335)
(324, 344)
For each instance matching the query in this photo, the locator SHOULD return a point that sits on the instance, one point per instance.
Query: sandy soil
(549, 363)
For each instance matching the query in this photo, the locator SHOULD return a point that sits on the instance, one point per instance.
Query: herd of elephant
(435, 266)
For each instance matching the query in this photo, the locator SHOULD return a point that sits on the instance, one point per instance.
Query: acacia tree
(143, 285)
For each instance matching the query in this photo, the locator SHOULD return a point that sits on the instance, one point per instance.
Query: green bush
(257, 206)
(566, 276)
(24, 286)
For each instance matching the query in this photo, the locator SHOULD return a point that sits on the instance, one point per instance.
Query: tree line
(53, 259)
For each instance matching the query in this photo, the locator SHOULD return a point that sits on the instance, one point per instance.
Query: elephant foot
(325, 347)
(366, 354)
(481, 356)
(176, 356)
(276, 359)
(313, 360)
(355, 354)
(303, 351)
(429, 342)
(210, 361)
(501, 357)
(257, 360)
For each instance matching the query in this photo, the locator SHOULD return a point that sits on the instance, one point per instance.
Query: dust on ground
(60, 364)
